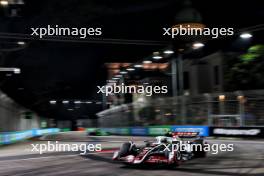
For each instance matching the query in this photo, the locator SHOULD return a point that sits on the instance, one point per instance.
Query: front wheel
(177, 158)
(128, 148)
(123, 151)
(174, 158)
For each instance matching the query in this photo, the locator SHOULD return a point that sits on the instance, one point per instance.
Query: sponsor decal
(237, 131)
(159, 130)
(139, 131)
(202, 130)
(252, 132)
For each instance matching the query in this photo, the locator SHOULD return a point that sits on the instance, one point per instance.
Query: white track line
(44, 157)
(63, 156)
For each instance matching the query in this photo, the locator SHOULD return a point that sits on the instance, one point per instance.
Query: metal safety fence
(240, 108)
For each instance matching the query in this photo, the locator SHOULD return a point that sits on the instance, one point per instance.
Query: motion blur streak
(247, 159)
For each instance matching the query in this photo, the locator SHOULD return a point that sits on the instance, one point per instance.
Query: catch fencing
(230, 109)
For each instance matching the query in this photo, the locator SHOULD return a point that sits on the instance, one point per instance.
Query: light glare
(147, 62)
(198, 45)
(17, 71)
(130, 69)
(138, 66)
(246, 35)
(157, 57)
(123, 72)
(53, 101)
(65, 102)
(21, 43)
(3, 2)
(168, 52)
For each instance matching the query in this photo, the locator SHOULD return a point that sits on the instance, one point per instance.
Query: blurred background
(52, 82)
(49, 85)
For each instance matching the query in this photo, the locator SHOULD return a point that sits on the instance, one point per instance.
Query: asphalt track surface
(246, 159)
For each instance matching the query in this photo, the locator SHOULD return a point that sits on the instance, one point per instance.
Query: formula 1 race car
(165, 150)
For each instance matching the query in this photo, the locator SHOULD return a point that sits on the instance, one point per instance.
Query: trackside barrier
(252, 132)
(65, 129)
(152, 130)
(12, 137)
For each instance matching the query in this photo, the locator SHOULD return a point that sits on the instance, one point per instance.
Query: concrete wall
(12, 116)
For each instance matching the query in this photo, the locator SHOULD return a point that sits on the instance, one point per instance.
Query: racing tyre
(177, 158)
(125, 149)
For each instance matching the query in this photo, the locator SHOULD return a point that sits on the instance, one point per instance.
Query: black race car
(171, 149)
